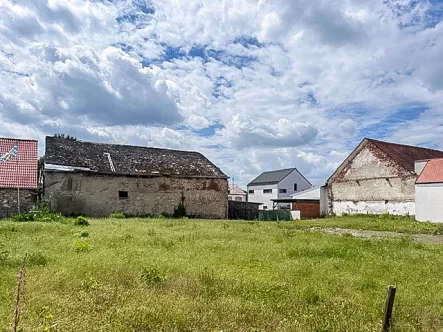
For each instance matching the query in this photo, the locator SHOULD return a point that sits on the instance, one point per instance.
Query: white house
(236, 193)
(429, 190)
(276, 184)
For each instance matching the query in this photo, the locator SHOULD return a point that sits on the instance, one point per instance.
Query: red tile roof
(433, 172)
(18, 163)
(406, 155)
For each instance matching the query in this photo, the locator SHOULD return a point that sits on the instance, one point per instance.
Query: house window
(265, 207)
(230, 198)
(238, 199)
(251, 191)
(282, 191)
(123, 194)
(295, 186)
(267, 191)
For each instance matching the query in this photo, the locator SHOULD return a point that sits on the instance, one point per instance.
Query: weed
(82, 246)
(41, 213)
(83, 234)
(81, 221)
(180, 210)
(152, 276)
(37, 259)
(48, 324)
(151, 232)
(311, 296)
(117, 215)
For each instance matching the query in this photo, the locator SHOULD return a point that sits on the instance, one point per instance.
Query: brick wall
(371, 183)
(98, 195)
(9, 201)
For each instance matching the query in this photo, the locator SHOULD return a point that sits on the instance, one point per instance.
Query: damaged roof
(402, 155)
(126, 159)
(432, 173)
(406, 155)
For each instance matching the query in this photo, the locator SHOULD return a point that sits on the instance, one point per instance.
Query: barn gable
(376, 159)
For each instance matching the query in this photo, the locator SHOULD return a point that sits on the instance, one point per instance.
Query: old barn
(377, 177)
(98, 179)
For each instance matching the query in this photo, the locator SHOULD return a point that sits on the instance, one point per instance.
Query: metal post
(18, 199)
(389, 305)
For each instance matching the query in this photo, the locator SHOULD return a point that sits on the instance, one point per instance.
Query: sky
(253, 85)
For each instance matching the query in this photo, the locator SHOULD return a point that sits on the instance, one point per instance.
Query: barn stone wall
(98, 195)
(9, 201)
(372, 184)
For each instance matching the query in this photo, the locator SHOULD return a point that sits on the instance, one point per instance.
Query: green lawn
(192, 275)
(377, 223)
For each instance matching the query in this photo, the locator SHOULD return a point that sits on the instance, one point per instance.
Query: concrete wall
(9, 201)
(324, 204)
(429, 202)
(98, 195)
(371, 184)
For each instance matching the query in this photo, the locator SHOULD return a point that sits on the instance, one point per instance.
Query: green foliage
(47, 321)
(274, 277)
(117, 215)
(83, 234)
(40, 213)
(81, 221)
(82, 246)
(152, 276)
(180, 210)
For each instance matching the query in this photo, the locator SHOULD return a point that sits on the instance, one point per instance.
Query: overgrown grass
(378, 223)
(196, 275)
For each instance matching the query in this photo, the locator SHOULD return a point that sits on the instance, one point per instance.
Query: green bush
(117, 215)
(152, 276)
(41, 213)
(81, 221)
(82, 246)
(82, 234)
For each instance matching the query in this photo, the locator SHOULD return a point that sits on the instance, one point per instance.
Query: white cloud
(255, 85)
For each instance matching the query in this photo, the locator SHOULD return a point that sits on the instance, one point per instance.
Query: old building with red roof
(377, 177)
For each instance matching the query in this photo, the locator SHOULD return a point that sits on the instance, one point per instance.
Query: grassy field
(196, 275)
(377, 223)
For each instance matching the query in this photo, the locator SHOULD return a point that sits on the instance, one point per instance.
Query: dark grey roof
(272, 177)
(128, 160)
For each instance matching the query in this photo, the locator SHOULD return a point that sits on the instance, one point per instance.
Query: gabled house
(429, 190)
(377, 177)
(98, 179)
(276, 184)
(18, 175)
(236, 193)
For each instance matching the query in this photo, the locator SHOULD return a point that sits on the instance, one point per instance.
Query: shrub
(82, 234)
(117, 215)
(82, 246)
(42, 213)
(81, 221)
(152, 276)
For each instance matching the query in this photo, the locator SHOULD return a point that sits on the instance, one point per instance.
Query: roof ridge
(119, 144)
(398, 144)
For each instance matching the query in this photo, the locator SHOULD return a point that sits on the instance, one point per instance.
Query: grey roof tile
(128, 160)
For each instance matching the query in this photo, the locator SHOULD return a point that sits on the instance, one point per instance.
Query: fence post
(389, 305)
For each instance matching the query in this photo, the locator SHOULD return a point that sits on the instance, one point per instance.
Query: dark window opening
(267, 191)
(295, 186)
(251, 191)
(265, 207)
(123, 194)
(282, 191)
(69, 184)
